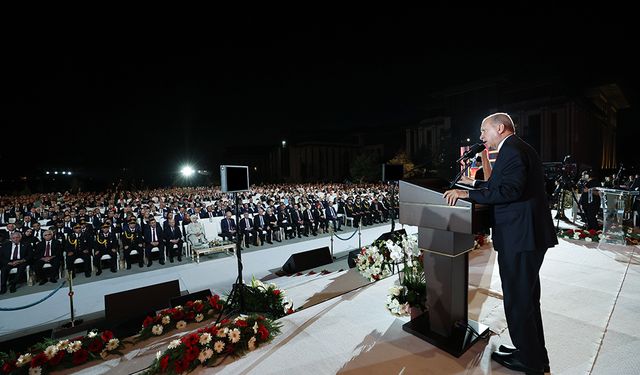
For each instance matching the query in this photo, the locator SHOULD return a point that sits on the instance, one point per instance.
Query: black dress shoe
(99, 272)
(142, 265)
(149, 264)
(114, 270)
(179, 259)
(42, 282)
(170, 260)
(512, 362)
(162, 262)
(12, 289)
(129, 266)
(508, 349)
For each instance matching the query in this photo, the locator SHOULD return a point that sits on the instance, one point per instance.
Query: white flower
(174, 344)
(588, 239)
(23, 359)
(234, 335)
(255, 283)
(157, 330)
(222, 332)
(166, 319)
(62, 345)
(113, 344)
(181, 324)
(159, 354)
(576, 236)
(92, 334)
(199, 317)
(74, 346)
(255, 328)
(218, 346)
(395, 290)
(287, 305)
(205, 354)
(252, 343)
(205, 338)
(198, 301)
(51, 351)
(35, 370)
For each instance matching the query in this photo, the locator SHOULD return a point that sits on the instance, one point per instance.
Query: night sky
(104, 98)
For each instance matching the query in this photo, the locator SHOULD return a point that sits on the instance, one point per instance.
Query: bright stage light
(187, 171)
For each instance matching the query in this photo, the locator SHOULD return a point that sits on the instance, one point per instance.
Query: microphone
(472, 151)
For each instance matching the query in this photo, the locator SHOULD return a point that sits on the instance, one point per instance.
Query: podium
(615, 203)
(446, 235)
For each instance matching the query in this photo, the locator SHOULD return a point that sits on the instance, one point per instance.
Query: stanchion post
(331, 234)
(360, 235)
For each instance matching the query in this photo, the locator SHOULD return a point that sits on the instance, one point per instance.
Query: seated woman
(195, 233)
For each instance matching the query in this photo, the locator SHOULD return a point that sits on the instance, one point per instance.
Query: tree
(365, 168)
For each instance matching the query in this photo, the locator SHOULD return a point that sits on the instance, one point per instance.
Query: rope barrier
(347, 239)
(35, 303)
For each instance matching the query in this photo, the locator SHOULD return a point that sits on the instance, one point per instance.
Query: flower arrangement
(590, 235)
(267, 299)
(381, 258)
(50, 355)
(218, 242)
(178, 317)
(209, 346)
(411, 290)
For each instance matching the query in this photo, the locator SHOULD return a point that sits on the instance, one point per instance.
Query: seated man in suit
(173, 240)
(106, 244)
(228, 226)
(153, 237)
(262, 228)
(297, 221)
(332, 216)
(48, 251)
(309, 220)
(14, 255)
(246, 230)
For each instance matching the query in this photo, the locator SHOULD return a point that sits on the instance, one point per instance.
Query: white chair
(347, 218)
(14, 271)
(109, 257)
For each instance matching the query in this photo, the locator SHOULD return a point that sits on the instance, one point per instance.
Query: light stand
(237, 291)
(467, 164)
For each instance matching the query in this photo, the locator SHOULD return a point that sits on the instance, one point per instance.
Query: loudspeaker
(307, 259)
(390, 235)
(353, 256)
(124, 311)
(392, 172)
(201, 295)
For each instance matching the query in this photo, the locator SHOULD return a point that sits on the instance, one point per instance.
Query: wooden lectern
(446, 235)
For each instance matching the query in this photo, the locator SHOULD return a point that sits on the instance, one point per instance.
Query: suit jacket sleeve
(509, 185)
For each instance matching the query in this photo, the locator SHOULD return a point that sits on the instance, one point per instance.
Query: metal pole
(331, 233)
(73, 318)
(360, 235)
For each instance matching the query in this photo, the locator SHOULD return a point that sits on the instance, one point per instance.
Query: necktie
(228, 224)
(14, 256)
(153, 235)
(47, 251)
(261, 221)
(333, 212)
(246, 223)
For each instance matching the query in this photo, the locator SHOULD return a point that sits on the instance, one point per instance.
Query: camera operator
(590, 199)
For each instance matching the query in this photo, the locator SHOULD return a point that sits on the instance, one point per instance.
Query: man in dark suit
(247, 230)
(173, 240)
(332, 216)
(262, 228)
(48, 251)
(153, 237)
(228, 227)
(14, 255)
(522, 232)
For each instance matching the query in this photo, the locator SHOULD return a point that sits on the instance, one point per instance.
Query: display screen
(234, 178)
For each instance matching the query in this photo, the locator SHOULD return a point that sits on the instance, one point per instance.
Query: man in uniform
(106, 244)
(132, 239)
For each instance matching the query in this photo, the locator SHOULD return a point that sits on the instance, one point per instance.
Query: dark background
(107, 98)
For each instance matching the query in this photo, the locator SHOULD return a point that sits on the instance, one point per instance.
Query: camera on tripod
(568, 177)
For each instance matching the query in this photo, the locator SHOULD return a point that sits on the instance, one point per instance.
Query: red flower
(95, 346)
(181, 366)
(57, 358)
(39, 360)
(8, 366)
(189, 304)
(80, 357)
(290, 311)
(276, 292)
(178, 315)
(592, 232)
(191, 354)
(190, 315)
(198, 307)
(164, 362)
(582, 235)
(107, 335)
(224, 322)
(263, 331)
(190, 340)
(570, 232)
(242, 323)
(147, 321)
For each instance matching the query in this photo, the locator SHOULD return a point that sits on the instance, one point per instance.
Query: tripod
(237, 291)
(564, 187)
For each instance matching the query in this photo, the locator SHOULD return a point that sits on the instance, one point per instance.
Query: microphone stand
(459, 175)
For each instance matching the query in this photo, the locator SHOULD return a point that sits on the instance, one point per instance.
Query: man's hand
(451, 196)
